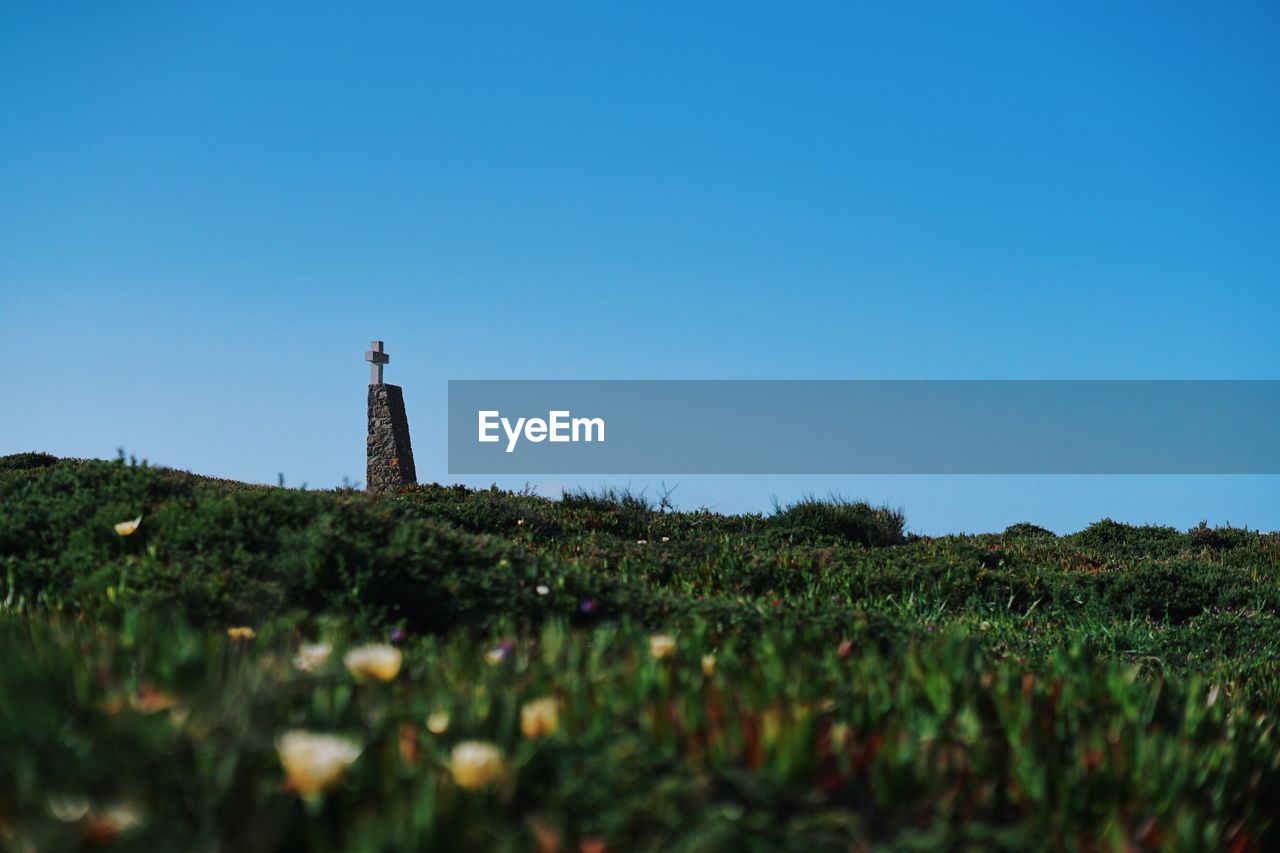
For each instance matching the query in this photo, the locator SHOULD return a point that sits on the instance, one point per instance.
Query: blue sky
(208, 209)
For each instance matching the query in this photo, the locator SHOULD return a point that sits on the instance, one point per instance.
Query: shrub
(1026, 530)
(837, 516)
(1127, 540)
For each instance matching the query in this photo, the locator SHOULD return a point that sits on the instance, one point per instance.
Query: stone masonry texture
(390, 456)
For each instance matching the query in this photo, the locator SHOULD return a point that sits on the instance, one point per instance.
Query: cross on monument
(376, 358)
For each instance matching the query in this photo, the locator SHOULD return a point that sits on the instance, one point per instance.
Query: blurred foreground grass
(594, 674)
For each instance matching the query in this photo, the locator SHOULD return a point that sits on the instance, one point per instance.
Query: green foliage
(840, 517)
(1027, 530)
(1126, 540)
(1111, 688)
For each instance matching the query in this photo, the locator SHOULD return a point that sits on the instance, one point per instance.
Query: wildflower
(475, 764)
(984, 625)
(241, 633)
(588, 605)
(398, 635)
(519, 522)
(666, 538)
(540, 717)
(438, 722)
(151, 699)
(311, 656)
(67, 809)
(500, 652)
(642, 541)
(708, 665)
(542, 589)
(662, 646)
(313, 763)
(374, 661)
(102, 826)
(126, 528)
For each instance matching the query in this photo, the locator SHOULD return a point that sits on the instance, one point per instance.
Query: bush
(853, 521)
(1127, 540)
(1026, 530)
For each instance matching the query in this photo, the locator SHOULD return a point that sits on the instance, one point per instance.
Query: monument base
(390, 455)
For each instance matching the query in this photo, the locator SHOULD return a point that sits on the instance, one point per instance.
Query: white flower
(662, 646)
(313, 763)
(67, 808)
(542, 589)
(375, 661)
(126, 528)
(438, 722)
(311, 656)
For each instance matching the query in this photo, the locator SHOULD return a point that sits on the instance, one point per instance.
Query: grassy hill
(591, 673)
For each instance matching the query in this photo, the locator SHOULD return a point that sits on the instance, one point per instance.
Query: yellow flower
(475, 764)
(241, 633)
(708, 665)
(126, 528)
(540, 718)
(311, 656)
(376, 661)
(438, 722)
(662, 646)
(313, 763)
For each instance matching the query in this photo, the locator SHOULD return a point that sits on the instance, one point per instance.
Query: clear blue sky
(208, 209)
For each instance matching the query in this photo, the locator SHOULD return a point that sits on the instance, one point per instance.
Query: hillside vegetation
(591, 673)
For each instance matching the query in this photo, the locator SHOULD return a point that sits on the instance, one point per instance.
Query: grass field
(255, 668)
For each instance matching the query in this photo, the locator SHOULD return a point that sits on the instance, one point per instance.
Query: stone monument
(390, 455)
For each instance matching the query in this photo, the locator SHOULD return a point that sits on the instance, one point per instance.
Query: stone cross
(376, 358)
(389, 465)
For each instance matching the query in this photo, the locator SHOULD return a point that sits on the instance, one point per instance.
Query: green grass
(835, 683)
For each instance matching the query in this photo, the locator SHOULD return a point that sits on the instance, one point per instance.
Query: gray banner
(863, 427)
